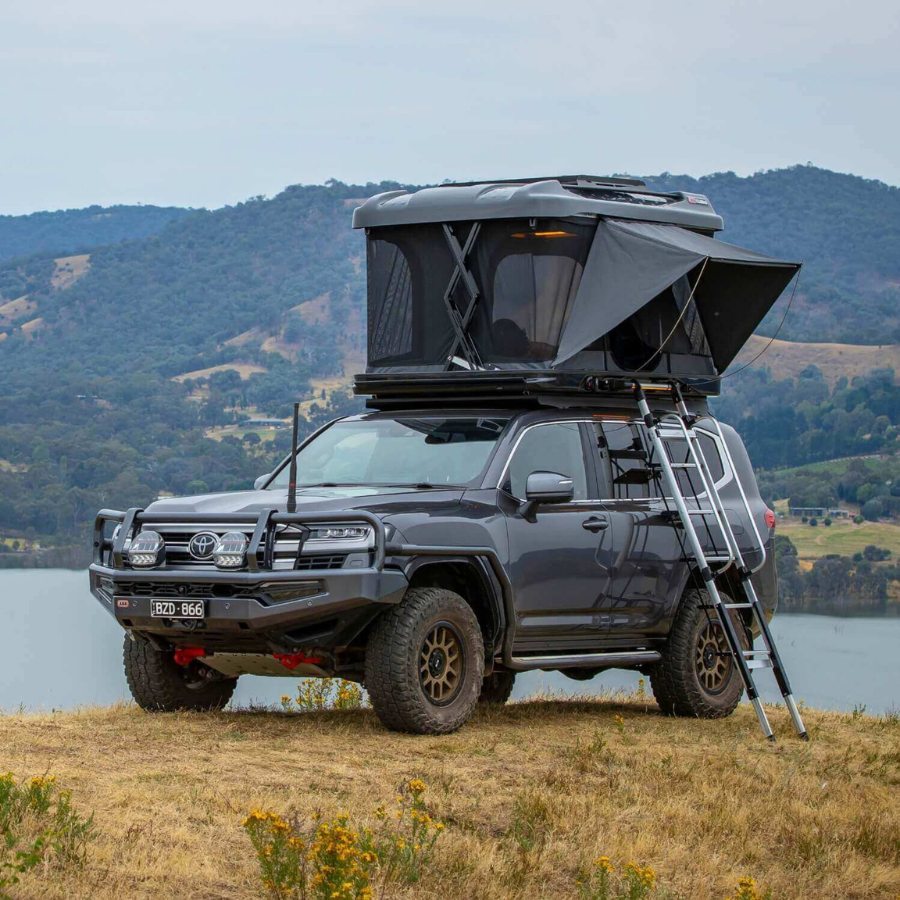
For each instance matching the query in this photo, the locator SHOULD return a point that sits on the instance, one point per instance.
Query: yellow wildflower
(603, 864)
(40, 781)
(417, 787)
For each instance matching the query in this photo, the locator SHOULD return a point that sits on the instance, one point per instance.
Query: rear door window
(689, 479)
(623, 462)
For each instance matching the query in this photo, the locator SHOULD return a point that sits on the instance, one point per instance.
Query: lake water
(60, 649)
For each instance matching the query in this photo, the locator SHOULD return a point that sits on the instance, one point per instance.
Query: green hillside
(128, 369)
(68, 231)
(845, 230)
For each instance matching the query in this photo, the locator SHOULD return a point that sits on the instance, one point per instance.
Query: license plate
(177, 609)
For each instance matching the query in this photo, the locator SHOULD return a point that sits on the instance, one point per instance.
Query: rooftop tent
(632, 264)
(574, 274)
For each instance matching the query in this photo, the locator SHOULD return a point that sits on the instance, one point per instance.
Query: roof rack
(533, 387)
(604, 180)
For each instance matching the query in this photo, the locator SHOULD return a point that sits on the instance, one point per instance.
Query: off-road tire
(497, 687)
(675, 680)
(394, 654)
(159, 684)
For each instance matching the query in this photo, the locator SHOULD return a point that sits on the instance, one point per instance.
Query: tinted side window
(623, 462)
(689, 479)
(548, 448)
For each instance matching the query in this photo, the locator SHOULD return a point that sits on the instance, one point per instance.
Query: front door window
(555, 447)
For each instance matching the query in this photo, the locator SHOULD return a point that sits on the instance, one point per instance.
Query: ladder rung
(759, 664)
(710, 559)
(701, 512)
(683, 465)
(737, 605)
(749, 653)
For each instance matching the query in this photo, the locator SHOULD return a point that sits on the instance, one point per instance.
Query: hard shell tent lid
(543, 198)
(572, 274)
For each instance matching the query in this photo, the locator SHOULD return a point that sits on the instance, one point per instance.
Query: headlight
(231, 550)
(146, 550)
(340, 533)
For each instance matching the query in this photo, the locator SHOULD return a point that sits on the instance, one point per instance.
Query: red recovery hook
(292, 660)
(184, 656)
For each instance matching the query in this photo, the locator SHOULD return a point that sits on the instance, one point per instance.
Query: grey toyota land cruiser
(500, 506)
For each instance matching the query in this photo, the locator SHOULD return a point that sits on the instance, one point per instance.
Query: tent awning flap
(630, 263)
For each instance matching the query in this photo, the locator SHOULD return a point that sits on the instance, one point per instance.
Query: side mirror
(546, 487)
(257, 485)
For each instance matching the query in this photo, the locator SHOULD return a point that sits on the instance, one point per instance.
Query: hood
(379, 500)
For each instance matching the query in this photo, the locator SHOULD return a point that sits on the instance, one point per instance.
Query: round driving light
(231, 550)
(146, 550)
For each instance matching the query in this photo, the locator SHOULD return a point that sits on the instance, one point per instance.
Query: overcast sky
(207, 102)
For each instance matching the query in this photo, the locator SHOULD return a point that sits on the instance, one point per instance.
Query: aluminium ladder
(680, 427)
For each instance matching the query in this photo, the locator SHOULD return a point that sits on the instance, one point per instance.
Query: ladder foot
(770, 738)
(804, 736)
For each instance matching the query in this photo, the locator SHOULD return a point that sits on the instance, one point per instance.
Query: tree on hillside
(872, 511)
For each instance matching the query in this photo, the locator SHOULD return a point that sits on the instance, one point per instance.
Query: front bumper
(254, 610)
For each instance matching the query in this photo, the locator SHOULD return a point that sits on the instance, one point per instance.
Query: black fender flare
(489, 569)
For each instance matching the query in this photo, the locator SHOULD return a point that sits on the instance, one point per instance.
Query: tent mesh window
(527, 274)
(407, 270)
(528, 277)
(635, 343)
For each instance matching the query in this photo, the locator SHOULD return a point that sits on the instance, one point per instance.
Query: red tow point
(292, 660)
(184, 656)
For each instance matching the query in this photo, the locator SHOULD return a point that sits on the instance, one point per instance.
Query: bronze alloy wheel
(442, 663)
(713, 658)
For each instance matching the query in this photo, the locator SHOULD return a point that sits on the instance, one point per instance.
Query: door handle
(594, 524)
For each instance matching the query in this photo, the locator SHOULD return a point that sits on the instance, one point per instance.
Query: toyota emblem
(203, 544)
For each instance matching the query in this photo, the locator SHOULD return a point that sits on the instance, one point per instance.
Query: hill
(700, 803)
(128, 369)
(69, 230)
(845, 230)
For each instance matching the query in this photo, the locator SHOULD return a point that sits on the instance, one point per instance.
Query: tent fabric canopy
(630, 263)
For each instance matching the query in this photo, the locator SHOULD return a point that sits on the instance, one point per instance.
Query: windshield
(436, 451)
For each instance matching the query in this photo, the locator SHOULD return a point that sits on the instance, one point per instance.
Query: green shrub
(337, 861)
(325, 693)
(39, 823)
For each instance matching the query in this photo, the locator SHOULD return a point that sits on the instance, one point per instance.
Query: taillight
(770, 518)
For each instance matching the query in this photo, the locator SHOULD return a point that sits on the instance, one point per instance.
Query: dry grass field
(529, 793)
(787, 359)
(245, 370)
(843, 536)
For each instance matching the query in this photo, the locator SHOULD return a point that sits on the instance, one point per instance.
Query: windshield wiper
(428, 486)
(332, 484)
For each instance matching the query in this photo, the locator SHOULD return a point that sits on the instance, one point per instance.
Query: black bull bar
(263, 522)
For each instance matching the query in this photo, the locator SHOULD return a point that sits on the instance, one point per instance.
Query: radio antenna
(292, 482)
